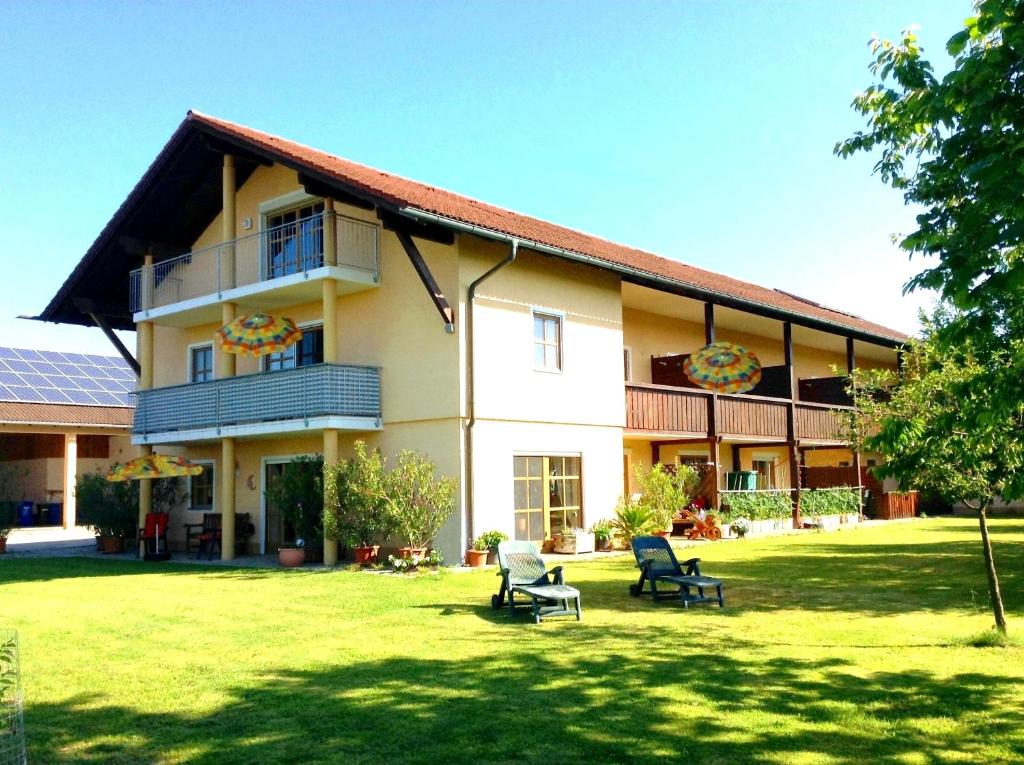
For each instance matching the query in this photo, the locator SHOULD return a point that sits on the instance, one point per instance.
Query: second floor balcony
(301, 399)
(278, 266)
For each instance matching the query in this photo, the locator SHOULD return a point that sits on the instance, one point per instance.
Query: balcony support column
(330, 313)
(227, 252)
(227, 494)
(225, 360)
(330, 458)
(146, 353)
(709, 323)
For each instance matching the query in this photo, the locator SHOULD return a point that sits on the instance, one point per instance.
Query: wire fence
(12, 716)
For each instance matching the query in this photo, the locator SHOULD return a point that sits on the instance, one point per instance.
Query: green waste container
(741, 480)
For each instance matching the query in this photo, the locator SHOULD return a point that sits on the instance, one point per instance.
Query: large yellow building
(533, 363)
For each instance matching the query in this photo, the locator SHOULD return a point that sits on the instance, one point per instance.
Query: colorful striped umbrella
(258, 334)
(724, 367)
(154, 466)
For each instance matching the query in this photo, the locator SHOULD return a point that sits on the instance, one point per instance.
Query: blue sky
(701, 131)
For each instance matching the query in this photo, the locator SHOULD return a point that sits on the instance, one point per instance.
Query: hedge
(817, 502)
(757, 505)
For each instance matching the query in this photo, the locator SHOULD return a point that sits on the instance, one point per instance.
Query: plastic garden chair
(154, 537)
(658, 565)
(523, 573)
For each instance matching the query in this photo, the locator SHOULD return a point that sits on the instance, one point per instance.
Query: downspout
(470, 406)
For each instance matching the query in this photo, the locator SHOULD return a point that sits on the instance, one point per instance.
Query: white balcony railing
(292, 248)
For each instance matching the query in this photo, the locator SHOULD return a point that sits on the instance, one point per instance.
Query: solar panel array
(49, 377)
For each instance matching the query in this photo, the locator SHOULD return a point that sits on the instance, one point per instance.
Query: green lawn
(848, 647)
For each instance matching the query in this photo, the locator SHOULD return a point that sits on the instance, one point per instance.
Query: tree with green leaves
(935, 428)
(955, 147)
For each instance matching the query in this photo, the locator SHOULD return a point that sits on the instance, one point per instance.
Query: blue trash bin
(26, 514)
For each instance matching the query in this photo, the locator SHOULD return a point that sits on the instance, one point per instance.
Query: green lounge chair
(523, 573)
(657, 563)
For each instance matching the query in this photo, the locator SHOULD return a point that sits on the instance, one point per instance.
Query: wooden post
(709, 323)
(714, 441)
(737, 463)
(791, 433)
(851, 364)
(70, 478)
(227, 494)
(330, 458)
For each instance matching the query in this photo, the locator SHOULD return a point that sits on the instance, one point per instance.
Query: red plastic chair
(154, 537)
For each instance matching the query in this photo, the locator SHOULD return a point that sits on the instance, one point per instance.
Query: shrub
(817, 502)
(665, 493)
(758, 505)
(418, 503)
(356, 510)
(299, 492)
(109, 508)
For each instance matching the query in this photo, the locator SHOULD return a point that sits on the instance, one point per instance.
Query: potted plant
(740, 527)
(418, 503)
(299, 492)
(603, 532)
(111, 509)
(476, 556)
(356, 510)
(490, 541)
(632, 519)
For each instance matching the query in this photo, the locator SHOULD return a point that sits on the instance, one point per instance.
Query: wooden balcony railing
(684, 411)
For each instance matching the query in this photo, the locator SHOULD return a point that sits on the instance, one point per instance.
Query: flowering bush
(740, 527)
(414, 561)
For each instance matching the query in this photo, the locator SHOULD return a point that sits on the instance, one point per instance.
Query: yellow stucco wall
(588, 390)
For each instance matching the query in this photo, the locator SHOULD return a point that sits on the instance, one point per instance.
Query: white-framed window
(202, 487)
(308, 350)
(627, 363)
(200, 362)
(547, 342)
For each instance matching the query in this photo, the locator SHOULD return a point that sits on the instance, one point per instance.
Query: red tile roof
(65, 414)
(403, 192)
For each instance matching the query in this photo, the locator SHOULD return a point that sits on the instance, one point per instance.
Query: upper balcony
(301, 399)
(277, 267)
(677, 412)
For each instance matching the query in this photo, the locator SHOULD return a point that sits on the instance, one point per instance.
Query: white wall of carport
(495, 443)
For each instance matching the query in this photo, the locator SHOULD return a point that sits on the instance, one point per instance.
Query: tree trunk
(995, 597)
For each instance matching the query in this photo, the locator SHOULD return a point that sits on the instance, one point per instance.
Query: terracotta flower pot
(492, 556)
(664, 533)
(112, 545)
(364, 556)
(603, 545)
(408, 552)
(291, 557)
(476, 558)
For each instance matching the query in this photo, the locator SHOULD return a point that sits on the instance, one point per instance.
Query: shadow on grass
(528, 706)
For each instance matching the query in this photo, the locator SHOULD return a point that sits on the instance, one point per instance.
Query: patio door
(273, 519)
(547, 496)
(295, 240)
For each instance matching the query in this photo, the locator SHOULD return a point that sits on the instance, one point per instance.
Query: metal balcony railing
(287, 394)
(291, 248)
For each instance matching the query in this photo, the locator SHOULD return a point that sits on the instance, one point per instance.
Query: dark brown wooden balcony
(685, 413)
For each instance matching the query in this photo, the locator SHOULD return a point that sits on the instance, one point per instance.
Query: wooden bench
(207, 534)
